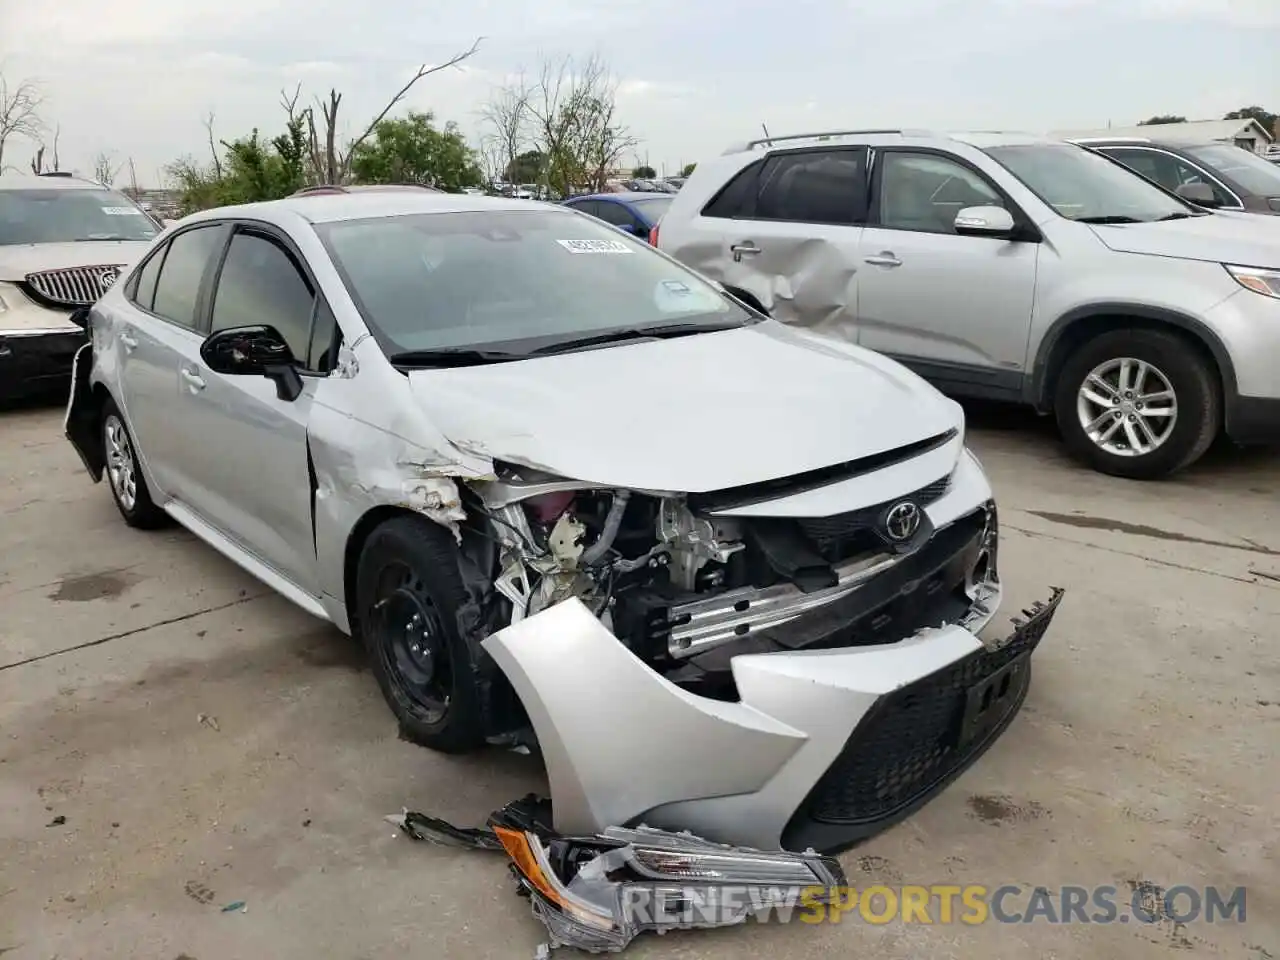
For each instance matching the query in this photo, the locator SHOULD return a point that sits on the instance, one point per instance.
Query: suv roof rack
(56, 173)
(825, 135)
(1104, 139)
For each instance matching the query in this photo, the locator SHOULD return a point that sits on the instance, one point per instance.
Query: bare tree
(507, 119)
(574, 107)
(19, 112)
(105, 169)
(329, 161)
(213, 149)
(37, 160)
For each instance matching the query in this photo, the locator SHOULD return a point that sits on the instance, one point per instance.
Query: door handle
(128, 341)
(193, 379)
(740, 250)
(885, 258)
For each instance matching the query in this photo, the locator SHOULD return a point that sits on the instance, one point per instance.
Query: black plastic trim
(967, 380)
(1254, 420)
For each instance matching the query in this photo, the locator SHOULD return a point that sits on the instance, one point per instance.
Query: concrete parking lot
(1146, 753)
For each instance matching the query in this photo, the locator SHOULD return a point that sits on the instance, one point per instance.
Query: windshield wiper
(1180, 215)
(657, 330)
(1109, 218)
(103, 239)
(451, 357)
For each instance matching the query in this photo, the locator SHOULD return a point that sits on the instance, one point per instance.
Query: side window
(178, 286)
(1169, 171)
(589, 207)
(322, 353)
(616, 214)
(737, 197)
(814, 187)
(1183, 172)
(260, 283)
(924, 192)
(143, 291)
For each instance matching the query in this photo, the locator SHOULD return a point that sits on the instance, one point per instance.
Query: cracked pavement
(208, 743)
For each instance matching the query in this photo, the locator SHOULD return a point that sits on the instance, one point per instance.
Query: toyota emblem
(902, 521)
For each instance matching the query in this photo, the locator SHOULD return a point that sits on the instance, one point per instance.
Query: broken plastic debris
(208, 721)
(56, 821)
(598, 893)
(421, 827)
(233, 907)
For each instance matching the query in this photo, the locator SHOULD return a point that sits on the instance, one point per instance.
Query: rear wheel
(124, 473)
(1141, 404)
(408, 592)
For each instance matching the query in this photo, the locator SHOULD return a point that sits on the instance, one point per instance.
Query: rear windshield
(64, 216)
(477, 279)
(1256, 175)
(654, 207)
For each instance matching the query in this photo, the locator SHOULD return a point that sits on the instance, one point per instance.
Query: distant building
(1249, 134)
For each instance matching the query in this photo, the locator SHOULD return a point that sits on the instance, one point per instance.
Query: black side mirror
(254, 351)
(1201, 194)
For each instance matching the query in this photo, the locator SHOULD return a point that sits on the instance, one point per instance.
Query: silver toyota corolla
(725, 575)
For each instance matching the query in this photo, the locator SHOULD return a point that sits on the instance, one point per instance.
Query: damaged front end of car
(746, 663)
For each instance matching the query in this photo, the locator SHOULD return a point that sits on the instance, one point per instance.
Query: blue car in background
(636, 213)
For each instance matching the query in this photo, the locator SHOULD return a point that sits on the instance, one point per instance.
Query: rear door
(249, 473)
(151, 333)
(791, 231)
(956, 309)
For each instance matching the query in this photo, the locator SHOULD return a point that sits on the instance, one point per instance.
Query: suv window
(924, 192)
(1168, 171)
(260, 283)
(178, 286)
(816, 186)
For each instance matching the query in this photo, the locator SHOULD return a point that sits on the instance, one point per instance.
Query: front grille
(72, 286)
(911, 742)
(845, 535)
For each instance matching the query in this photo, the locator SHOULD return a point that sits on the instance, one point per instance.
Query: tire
(1165, 360)
(409, 567)
(124, 473)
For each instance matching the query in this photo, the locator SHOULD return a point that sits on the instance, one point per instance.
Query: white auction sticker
(122, 211)
(594, 246)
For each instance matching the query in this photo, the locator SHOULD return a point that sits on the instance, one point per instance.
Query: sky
(136, 78)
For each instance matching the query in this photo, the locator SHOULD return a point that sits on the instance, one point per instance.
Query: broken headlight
(597, 893)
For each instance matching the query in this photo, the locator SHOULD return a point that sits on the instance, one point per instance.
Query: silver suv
(1007, 267)
(63, 241)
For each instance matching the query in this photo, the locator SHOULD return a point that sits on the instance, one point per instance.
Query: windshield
(1082, 185)
(1252, 172)
(512, 280)
(62, 216)
(653, 208)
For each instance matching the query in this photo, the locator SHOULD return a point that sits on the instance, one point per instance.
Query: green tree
(644, 172)
(526, 167)
(251, 169)
(1163, 118)
(412, 150)
(1264, 117)
(687, 170)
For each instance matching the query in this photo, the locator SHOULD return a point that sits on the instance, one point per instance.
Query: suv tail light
(653, 234)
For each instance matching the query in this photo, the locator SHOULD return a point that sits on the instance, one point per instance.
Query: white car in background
(63, 242)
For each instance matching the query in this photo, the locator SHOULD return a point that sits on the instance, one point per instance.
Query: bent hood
(1226, 237)
(690, 414)
(18, 260)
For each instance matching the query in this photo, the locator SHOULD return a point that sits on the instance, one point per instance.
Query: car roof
(981, 139)
(336, 207)
(32, 181)
(624, 195)
(325, 188)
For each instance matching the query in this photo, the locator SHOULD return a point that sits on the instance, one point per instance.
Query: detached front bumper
(32, 361)
(823, 749)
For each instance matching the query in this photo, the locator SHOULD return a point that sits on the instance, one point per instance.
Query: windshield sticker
(595, 246)
(676, 296)
(122, 211)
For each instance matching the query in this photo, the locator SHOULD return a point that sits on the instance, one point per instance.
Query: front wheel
(408, 592)
(1141, 404)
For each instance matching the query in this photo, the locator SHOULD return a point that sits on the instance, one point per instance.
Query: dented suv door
(797, 223)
